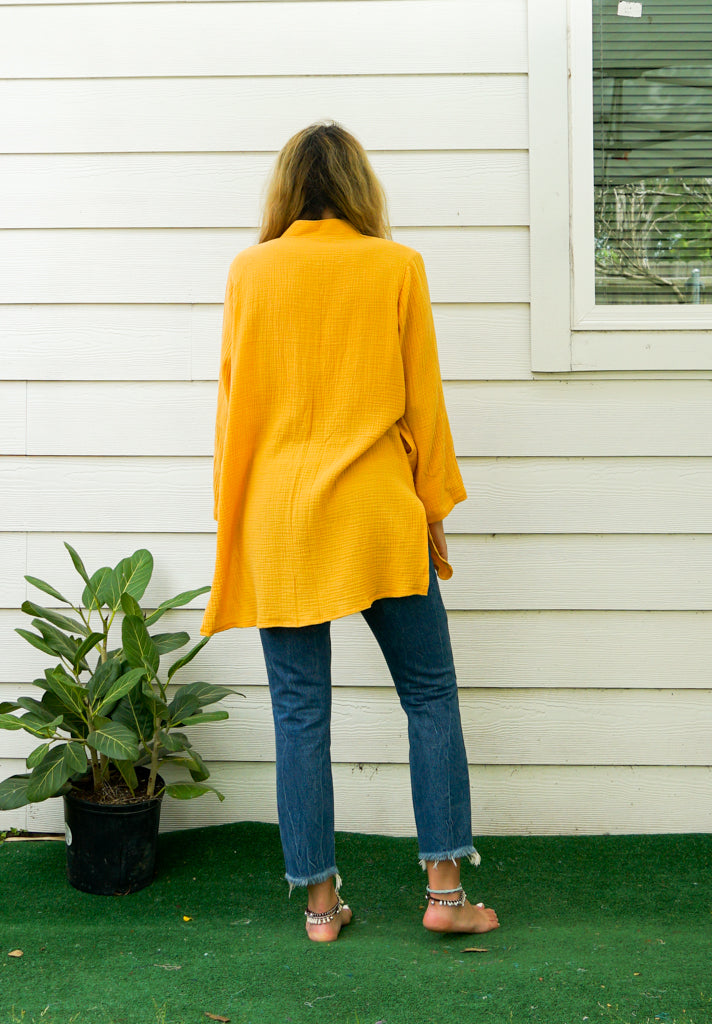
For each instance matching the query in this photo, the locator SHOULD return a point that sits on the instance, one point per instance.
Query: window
(621, 184)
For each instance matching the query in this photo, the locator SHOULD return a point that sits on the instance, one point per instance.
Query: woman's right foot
(329, 931)
(466, 920)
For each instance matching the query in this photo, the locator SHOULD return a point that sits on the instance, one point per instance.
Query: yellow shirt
(329, 373)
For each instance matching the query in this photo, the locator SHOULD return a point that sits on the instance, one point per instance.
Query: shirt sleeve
(437, 478)
(224, 377)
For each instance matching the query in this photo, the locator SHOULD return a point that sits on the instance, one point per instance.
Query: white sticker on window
(630, 10)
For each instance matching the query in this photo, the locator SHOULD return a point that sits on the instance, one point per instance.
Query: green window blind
(652, 139)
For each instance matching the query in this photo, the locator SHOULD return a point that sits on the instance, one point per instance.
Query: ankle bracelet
(326, 915)
(459, 902)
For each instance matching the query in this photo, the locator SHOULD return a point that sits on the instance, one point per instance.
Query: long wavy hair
(324, 167)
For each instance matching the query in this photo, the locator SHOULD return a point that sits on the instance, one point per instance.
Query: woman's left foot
(466, 919)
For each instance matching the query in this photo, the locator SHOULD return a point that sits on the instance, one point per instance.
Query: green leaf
(63, 646)
(30, 704)
(167, 642)
(36, 641)
(153, 700)
(131, 606)
(175, 602)
(78, 564)
(204, 693)
(92, 641)
(49, 776)
(41, 585)
(104, 675)
(187, 657)
(38, 726)
(65, 622)
(189, 790)
(134, 712)
(120, 687)
(99, 588)
(206, 716)
(10, 705)
(135, 573)
(41, 683)
(13, 792)
(71, 722)
(199, 771)
(70, 693)
(139, 650)
(37, 755)
(182, 705)
(109, 592)
(128, 773)
(10, 722)
(114, 740)
(173, 741)
(76, 758)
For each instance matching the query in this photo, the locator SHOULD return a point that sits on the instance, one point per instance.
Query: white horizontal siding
(506, 800)
(190, 264)
(222, 190)
(500, 727)
(514, 419)
(505, 650)
(13, 425)
(539, 571)
(501, 649)
(513, 495)
(109, 342)
(182, 342)
(154, 115)
(137, 138)
(382, 37)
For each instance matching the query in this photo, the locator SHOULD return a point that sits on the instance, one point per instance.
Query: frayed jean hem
(323, 876)
(463, 851)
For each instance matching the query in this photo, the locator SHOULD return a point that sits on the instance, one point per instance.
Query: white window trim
(568, 331)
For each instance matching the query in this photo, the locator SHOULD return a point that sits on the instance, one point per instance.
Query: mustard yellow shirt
(333, 449)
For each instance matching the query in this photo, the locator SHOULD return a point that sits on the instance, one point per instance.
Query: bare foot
(467, 919)
(329, 931)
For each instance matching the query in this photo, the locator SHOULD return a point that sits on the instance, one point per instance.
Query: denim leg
(413, 635)
(298, 662)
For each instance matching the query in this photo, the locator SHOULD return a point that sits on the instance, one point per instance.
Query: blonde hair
(324, 166)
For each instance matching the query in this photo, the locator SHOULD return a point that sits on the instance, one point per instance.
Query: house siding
(581, 604)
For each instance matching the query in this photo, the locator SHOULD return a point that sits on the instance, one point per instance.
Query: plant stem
(154, 764)
(95, 771)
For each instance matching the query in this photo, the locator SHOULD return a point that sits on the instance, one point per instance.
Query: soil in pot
(111, 846)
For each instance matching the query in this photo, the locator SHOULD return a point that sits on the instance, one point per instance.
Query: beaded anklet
(326, 915)
(459, 902)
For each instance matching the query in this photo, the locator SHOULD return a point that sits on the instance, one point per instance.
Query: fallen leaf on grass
(475, 949)
(15, 952)
(187, 918)
(215, 1016)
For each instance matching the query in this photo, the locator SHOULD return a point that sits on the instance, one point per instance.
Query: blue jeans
(413, 634)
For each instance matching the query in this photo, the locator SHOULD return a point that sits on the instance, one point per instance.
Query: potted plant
(107, 722)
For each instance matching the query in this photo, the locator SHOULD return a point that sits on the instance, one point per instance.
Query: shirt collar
(330, 227)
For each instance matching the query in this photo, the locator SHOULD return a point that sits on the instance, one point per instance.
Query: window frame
(569, 332)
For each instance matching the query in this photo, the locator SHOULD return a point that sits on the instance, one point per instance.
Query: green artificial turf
(594, 928)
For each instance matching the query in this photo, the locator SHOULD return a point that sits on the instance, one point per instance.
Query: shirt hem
(312, 621)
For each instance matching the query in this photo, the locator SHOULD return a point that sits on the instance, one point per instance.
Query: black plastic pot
(111, 848)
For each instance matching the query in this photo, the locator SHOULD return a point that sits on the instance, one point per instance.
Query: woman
(334, 468)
